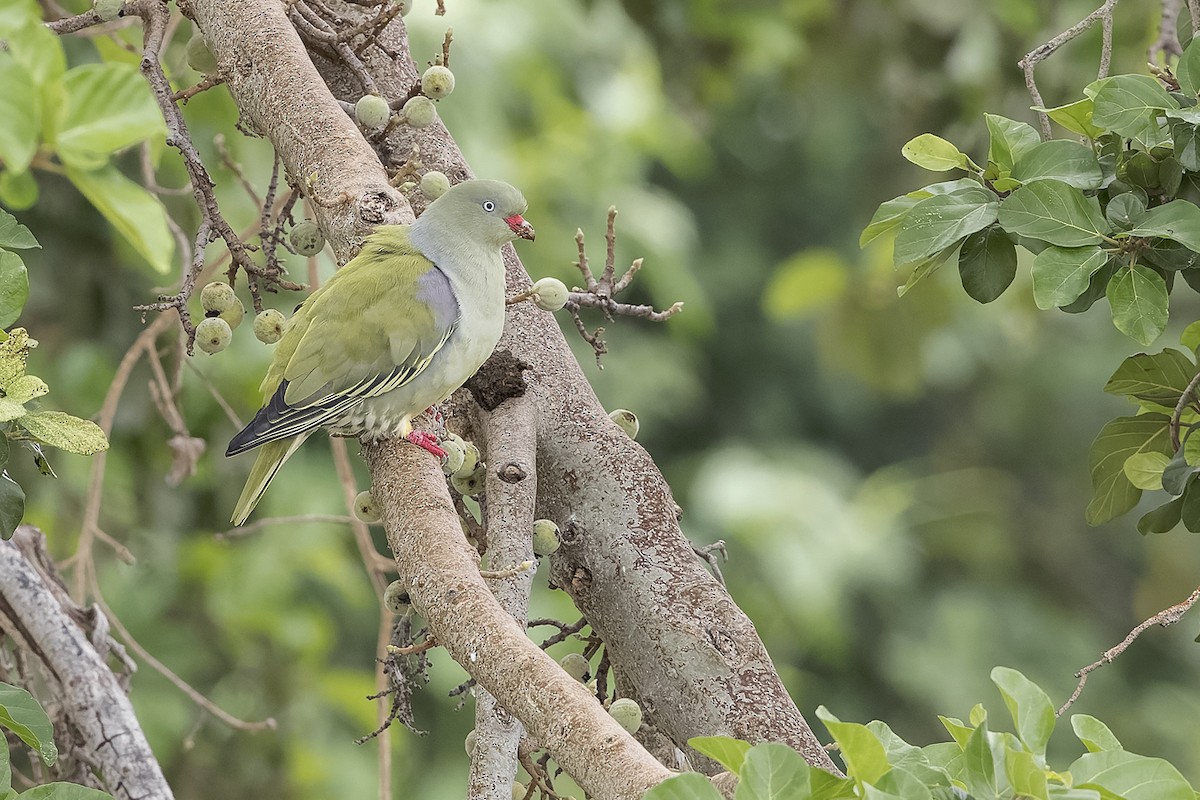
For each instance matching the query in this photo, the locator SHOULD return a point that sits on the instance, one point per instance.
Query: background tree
(735, 148)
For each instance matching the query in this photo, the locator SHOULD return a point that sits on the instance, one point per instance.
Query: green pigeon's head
(487, 211)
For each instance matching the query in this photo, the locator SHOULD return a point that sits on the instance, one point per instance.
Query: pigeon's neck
(472, 267)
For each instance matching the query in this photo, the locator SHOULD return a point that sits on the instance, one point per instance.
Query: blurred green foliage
(901, 483)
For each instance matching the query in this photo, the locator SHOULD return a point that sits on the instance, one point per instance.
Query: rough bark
(441, 571)
(36, 612)
(673, 630)
(511, 491)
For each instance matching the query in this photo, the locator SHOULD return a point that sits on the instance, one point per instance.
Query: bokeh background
(901, 483)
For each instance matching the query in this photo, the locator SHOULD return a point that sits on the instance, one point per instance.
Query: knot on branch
(500, 377)
(374, 208)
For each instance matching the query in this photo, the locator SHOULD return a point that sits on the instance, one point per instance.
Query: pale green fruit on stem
(366, 509)
(372, 111)
(545, 537)
(437, 82)
(396, 599)
(199, 57)
(627, 713)
(108, 10)
(434, 184)
(405, 7)
(469, 743)
(519, 790)
(627, 421)
(268, 326)
(234, 313)
(455, 453)
(469, 484)
(306, 238)
(217, 296)
(470, 459)
(213, 335)
(575, 665)
(419, 112)
(550, 294)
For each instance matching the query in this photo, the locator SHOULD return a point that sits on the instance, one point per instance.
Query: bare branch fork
(599, 293)
(1103, 14)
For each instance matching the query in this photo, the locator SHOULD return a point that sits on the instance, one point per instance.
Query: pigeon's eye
(489, 206)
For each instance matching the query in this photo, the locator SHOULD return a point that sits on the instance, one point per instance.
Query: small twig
(1167, 616)
(1167, 43)
(709, 553)
(183, 95)
(1044, 51)
(413, 649)
(564, 630)
(1177, 415)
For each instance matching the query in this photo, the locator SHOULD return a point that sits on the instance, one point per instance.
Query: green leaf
(688, 786)
(13, 234)
(11, 409)
(1189, 512)
(1177, 220)
(1145, 470)
(924, 268)
(1009, 140)
(1094, 734)
(1053, 212)
(904, 755)
(959, 732)
(1072, 163)
(1061, 274)
(1187, 71)
(938, 222)
(777, 772)
(1130, 776)
(1161, 377)
(1075, 117)
(980, 772)
(899, 782)
(25, 388)
(14, 287)
(14, 353)
(945, 187)
(1096, 288)
(1160, 520)
(35, 48)
(108, 107)
(22, 714)
(1190, 338)
(726, 750)
(1185, 140)
(65, 432)
(1125, 210)
(1178, 472)
(987, 264)
(1028, 779)
(20, 114)
(18, 191)
(1030, 708)
(887, 218)
(1139, 303)
(69, 791)
(933, 153)
(1112, 493)
(133, 211)
(866, 760)
(12, 507)
(1125, 103)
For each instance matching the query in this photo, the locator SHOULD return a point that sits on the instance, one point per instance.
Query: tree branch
(511, 492)
(35, 607)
